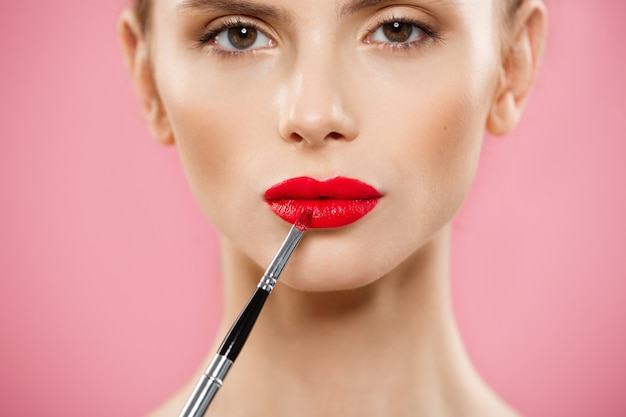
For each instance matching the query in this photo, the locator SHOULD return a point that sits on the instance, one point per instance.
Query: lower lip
(327, 212)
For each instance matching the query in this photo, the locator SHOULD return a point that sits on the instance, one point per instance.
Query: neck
(388, 348)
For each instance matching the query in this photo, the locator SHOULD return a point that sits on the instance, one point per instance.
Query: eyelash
(430, 33)
(209, 37)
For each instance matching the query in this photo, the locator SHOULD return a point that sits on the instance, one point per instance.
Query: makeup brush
(211, 381)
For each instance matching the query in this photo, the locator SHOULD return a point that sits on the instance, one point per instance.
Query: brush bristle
(304, 221)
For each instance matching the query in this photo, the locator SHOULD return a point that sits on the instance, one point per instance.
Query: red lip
(334, 202)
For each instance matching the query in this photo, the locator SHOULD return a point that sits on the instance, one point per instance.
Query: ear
(136, 53)
(520, 64)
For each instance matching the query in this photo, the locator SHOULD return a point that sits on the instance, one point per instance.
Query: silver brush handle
(211, 381)
(206, 388)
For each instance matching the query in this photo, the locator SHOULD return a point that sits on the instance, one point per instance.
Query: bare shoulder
(481, 401)
(171, 408)
(492, 407)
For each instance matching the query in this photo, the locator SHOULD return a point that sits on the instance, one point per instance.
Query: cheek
(216, 128)
(434, 145)
(206, 148)
(431, 118)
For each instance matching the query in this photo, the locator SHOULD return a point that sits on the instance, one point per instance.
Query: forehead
(285, 9)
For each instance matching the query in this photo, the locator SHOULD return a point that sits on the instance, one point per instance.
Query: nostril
(296, 137)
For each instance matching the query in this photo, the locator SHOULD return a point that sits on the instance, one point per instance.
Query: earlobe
(136, 54)
(505, 114)
(520, 64)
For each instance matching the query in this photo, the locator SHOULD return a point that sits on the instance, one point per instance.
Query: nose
(314, 106)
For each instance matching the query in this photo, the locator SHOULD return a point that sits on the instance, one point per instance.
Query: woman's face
(392, 94)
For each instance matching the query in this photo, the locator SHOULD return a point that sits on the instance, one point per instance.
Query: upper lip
(306, 188)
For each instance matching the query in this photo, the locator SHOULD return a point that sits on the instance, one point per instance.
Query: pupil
(396, 27)
(243, 32)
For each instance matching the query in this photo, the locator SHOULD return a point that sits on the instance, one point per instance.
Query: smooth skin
(361, 323)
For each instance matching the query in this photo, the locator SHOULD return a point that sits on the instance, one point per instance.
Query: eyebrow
(236, 6)
(358, 5)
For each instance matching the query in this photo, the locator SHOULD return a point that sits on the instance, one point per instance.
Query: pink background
(109, 291)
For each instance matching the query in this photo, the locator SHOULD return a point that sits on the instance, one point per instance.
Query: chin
(331, 272)
(323, 284)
